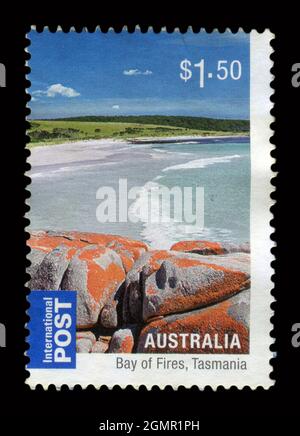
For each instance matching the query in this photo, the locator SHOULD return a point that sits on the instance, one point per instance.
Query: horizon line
(138, 115)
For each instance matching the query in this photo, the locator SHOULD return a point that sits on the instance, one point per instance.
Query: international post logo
(52, 327)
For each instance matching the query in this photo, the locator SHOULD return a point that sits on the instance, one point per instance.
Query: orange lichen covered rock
(163, 282)
(221, 328)
(128, 249)
(235, 261)
(100, 346)
(47, 241)
(192, 298)
(148, 263)
(35, 257)
(180, 285)
(208, 247)
(122, 341)
(96, 273)
(49, 257)
(85, 341)
(85, 334)
(144, 266)
(49, 273)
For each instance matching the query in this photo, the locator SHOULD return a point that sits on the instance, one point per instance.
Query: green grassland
(45, 132)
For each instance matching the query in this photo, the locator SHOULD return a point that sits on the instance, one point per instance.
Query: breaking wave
(203, 162)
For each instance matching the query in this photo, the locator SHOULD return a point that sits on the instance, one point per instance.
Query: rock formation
(130, 299)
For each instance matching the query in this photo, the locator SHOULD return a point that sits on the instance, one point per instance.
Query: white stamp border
(99, 369)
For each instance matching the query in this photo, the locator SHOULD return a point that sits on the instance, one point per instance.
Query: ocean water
(63, 197)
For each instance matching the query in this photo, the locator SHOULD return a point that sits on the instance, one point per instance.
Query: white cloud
(137, 72)
(57, 89)
(115, 106)
(61, 90)
(34, 99)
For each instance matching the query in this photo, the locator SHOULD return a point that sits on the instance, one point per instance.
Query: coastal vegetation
(44, 132)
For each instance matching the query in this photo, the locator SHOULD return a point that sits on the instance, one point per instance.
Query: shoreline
(183, 139)
(78, 169)
(100, 149)
(139, 140)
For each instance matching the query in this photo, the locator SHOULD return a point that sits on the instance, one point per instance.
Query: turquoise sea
(63, 197)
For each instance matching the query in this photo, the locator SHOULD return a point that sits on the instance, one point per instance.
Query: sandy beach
(66, 178)
(69, 152)
(100, 149)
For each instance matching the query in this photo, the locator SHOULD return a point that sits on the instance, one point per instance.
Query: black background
(86, 408)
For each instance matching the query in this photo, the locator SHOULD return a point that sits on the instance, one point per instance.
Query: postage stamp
(150, 245)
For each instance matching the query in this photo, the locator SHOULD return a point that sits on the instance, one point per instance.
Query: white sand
(96, 149)
(73, 152)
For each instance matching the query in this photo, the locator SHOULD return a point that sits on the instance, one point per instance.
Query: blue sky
(134, 74)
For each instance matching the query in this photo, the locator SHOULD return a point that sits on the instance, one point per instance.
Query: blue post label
(52, 327)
